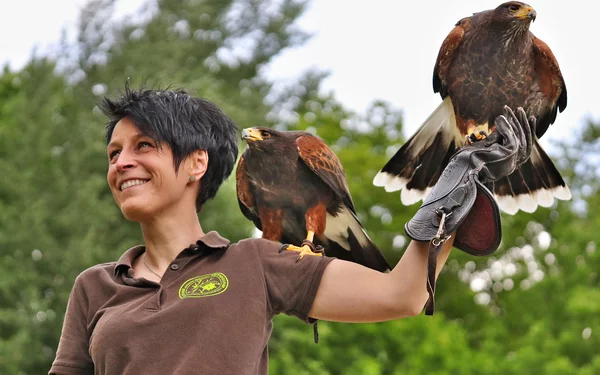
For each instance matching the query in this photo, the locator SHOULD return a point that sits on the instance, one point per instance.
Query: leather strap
(431, 268)
(435, 245)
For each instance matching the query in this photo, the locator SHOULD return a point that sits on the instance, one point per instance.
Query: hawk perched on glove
(293, 188)
(488, 61)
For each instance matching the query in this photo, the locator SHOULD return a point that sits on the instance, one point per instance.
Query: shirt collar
(210, 241)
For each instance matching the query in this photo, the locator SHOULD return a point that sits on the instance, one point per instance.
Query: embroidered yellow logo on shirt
(204, 286)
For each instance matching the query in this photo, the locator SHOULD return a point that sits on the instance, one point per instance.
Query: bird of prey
(293, 188)
(488, 60)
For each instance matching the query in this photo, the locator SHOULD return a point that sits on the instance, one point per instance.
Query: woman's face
(141, 176)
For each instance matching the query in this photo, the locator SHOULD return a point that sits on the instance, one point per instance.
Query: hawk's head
(265, 139)
(517, 16)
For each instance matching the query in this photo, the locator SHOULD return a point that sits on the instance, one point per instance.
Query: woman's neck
(166, 236)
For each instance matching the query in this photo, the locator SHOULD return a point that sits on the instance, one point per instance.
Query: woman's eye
(140, 146)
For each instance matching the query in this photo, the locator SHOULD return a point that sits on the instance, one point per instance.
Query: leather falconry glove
(461, 202)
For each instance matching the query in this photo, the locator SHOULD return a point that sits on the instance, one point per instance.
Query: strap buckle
(441, 236)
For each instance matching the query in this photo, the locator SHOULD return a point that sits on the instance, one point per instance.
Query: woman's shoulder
(260, 244)
(95, 274)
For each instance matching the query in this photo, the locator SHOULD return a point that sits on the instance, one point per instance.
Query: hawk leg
(307, 247)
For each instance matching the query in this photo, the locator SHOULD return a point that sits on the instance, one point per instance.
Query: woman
(189, 302)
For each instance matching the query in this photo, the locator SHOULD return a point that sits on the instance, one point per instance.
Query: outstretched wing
(325, 164)
(245, 194)
(550, 83)
(446, 55)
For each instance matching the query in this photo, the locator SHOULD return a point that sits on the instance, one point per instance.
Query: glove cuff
(472, 212)
(480, 232)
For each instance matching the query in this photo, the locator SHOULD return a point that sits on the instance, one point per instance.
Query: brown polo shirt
(211, 313)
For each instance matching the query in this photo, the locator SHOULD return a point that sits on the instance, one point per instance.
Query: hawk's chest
(494, 63)
(277, 172)
(486, 75)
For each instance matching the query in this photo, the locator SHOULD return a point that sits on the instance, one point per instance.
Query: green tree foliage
(55, 212)
(532, 307)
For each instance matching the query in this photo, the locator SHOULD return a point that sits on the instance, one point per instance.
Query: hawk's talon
(313, 248)
(475, 137)
(307, 248)
(307, 251)
(283, 247)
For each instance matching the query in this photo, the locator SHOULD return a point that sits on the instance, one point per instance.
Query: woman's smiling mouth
(130, 183)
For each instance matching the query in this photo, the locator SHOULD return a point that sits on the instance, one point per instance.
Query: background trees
(533, 306)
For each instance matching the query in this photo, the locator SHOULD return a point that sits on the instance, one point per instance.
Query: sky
(380, 49)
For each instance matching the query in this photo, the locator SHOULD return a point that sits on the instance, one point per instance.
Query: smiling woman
(140, 169)
(185, 294)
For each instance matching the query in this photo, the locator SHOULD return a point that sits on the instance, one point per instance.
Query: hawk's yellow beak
(251, 134)
(526, 12)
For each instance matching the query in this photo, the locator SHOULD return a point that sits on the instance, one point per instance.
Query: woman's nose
(125, 161)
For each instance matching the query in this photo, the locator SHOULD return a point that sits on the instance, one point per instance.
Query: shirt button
(174, 267)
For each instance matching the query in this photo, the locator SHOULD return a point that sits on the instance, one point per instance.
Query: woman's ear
(198, 163)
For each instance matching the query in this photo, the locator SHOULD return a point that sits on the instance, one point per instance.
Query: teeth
(131, 183)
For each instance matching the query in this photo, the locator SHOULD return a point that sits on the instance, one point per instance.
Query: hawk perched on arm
(293, 188)
(488, 60)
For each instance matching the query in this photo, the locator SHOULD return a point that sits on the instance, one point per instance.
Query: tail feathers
(366, 254)
(346, 239)
(416, 167)
(536, 183)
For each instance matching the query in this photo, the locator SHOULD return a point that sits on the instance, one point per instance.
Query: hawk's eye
(514, 7)
(265, 134)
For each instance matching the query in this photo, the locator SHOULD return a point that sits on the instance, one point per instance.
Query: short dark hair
(184, 123)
